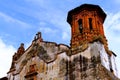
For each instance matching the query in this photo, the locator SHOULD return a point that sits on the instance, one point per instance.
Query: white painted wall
(114, 65)
(104, 58)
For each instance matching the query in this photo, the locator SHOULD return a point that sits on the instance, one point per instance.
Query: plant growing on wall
(42, 53)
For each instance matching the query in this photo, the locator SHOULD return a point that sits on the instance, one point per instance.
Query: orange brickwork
(86, 23)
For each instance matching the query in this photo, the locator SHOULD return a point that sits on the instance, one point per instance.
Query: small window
(111, 69)
(80, 25)
(90, 23)
(32, 68)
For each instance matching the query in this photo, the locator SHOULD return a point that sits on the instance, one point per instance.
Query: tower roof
(89, 7)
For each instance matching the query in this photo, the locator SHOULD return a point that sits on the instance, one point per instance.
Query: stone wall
(49, 61)
(41, 61)
(91, 64)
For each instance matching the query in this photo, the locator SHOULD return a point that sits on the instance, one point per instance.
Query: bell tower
(90, 58)
(86, 23)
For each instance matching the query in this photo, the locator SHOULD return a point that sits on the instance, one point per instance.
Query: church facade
(87, 58)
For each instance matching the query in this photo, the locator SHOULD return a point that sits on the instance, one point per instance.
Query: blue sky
(20, 20)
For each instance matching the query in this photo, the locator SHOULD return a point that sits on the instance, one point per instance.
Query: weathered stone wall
(82, 68)
(49, 61)
(91, 64)
(41, 61)
(114, 65)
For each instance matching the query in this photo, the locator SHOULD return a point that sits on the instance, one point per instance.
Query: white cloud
(36, 2)
(65, 36)
(50, 13)
(42, 23)
(6, 53)
(47, 30)
(112, 30)
(117, 1)
(113, 20)
(12, 20)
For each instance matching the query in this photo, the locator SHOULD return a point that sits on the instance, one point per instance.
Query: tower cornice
(89, 7)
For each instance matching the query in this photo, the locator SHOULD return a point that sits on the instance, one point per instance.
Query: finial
(39, 35)
(21, 49)
(22, 45)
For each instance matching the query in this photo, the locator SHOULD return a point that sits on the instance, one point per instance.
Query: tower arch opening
(80, 25)
(90, 23)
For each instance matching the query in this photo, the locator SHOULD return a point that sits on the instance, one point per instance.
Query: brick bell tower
(90, 58)
(86, 23)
